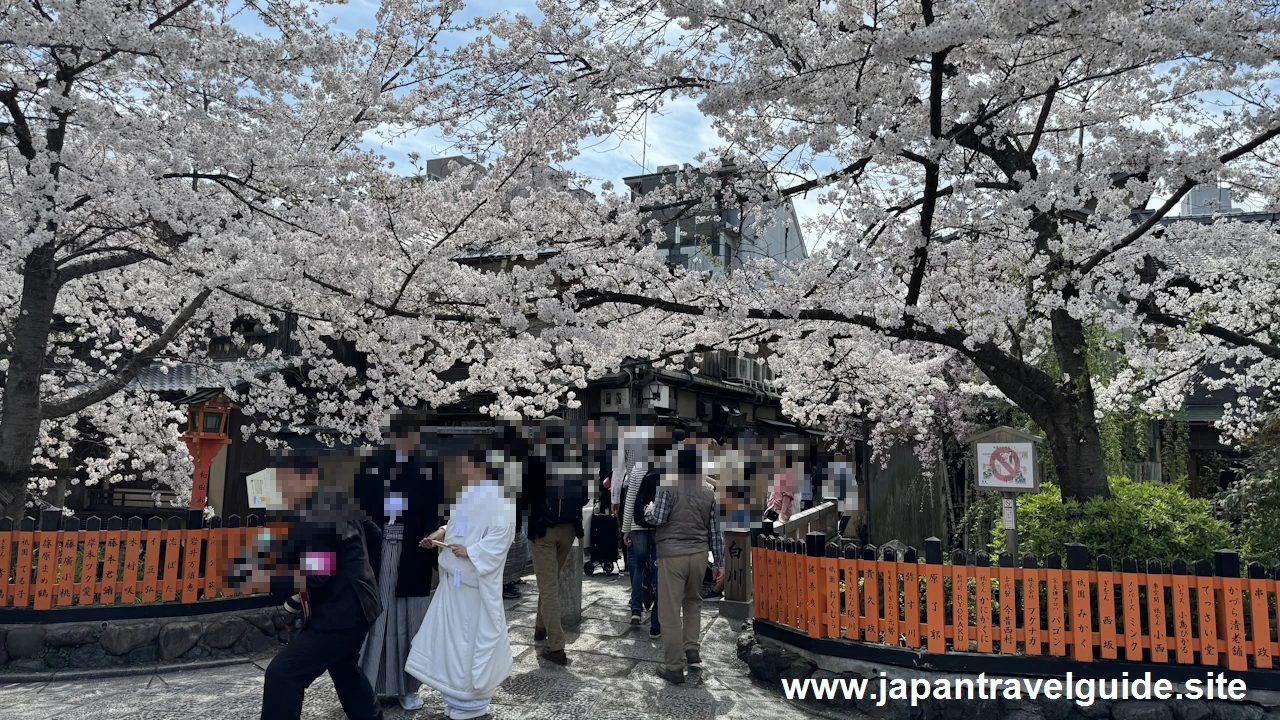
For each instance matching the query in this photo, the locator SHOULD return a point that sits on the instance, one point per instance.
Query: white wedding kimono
(462, 648)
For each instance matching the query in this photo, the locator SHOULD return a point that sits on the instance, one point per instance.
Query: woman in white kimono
(462, 648)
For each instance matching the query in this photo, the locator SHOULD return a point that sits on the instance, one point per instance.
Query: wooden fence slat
(1106, 609)
(960, 633)
(833, 590)
(1181, 590)
(1230, 605)
(849, 619)
(132, 557)
(172, 559)
(46, 568)
(812, 587)
(1031, 606)
(1155, 612)
(935, 607)
(111, 541)
(789, 602)
(871, 594)
(892, 600)
(982, 602)
(1055, 614)
(68, 544)
(1133, 639)
(192, 542)
(1008, 605)
(771, 590)
(1261, 623)
(911, 598)
(1207, 619)
(1080, 603)
(802, 586)
(25, 567)
(151, 561)
(87, 591)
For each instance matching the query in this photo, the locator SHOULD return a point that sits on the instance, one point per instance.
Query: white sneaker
(411, 702)
(468, 715)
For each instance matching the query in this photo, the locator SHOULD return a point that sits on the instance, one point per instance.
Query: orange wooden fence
(1207, 614)
(114, 562)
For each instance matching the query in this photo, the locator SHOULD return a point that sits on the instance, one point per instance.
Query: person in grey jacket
(686, 514)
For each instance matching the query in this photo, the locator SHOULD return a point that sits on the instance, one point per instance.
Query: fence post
(1258, 610)
(1008, 604)
(46, 557)
(132, 559)
(892, 594)
(1107, 609)
(7, 540)
(738, 584)
(960, 632)
(1207, 614)
(1230, 607)
(1081, 617)
(67, 563)
(935, 607)
(1181, 612)
(771, 578)
(815, 582)
(1053, 584)
(871, 593)
(1155, 612)
(1031, 605)
(982, 602)
(911, 597)
(849, 621)
(832, 566)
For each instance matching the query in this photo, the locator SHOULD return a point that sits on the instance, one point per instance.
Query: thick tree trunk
(1075, 440)
(20, 415)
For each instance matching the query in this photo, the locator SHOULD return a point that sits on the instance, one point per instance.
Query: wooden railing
(118, 562)
(1158, 613)
(822, 518)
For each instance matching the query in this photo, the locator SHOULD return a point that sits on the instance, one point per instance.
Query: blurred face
(296, 485)
(404, 442)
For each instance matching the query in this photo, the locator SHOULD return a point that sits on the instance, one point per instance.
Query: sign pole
(1011, 523)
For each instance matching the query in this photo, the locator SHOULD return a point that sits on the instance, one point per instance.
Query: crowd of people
(400, 580)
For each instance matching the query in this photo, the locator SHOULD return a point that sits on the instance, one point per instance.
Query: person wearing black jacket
(323, 568)
(402, 493)
(555, 488)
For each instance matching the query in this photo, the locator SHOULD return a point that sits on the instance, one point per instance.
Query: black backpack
(647, 493)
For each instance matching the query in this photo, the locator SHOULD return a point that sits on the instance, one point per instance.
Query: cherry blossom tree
(172, 166)
(998, 178)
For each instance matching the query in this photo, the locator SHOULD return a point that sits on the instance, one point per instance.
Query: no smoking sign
(1006, 466)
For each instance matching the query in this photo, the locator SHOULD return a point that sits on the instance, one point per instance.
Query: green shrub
(1252, 505)
(1140, 520)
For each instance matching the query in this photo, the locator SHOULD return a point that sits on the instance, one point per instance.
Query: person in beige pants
(685, 513)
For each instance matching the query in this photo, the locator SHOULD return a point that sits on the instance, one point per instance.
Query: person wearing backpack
(556, 490)
(638, 535)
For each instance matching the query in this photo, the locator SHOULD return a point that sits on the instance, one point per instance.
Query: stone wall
(771, 662)
(36, 648)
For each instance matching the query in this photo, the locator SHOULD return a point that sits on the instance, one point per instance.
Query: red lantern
(206, 434)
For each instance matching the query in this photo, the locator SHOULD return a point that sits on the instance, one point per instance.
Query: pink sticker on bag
(319, 563)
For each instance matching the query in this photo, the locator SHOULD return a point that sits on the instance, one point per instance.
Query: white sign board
(1010, 508)
(1006, 467)
(264, 490)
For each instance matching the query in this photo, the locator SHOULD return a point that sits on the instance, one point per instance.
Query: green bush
(1252, 505)
(1140, 520)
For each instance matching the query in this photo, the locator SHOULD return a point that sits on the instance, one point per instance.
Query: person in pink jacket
(785, 484)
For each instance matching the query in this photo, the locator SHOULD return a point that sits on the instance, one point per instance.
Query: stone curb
(118, 672)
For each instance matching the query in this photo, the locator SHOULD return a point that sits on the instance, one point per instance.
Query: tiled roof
(190, 377)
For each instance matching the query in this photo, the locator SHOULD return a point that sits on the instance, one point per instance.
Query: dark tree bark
(21, 413)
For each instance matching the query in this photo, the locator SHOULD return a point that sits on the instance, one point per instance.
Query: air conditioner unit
(668, 168)
(615, 400)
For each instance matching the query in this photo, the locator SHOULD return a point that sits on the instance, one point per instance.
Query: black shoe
(675, 677)
(655, 633)
(510, 592)
(693, 657)
(539, 635)
(556, 656)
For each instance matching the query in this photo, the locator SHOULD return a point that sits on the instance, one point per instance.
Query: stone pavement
(610, 677)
